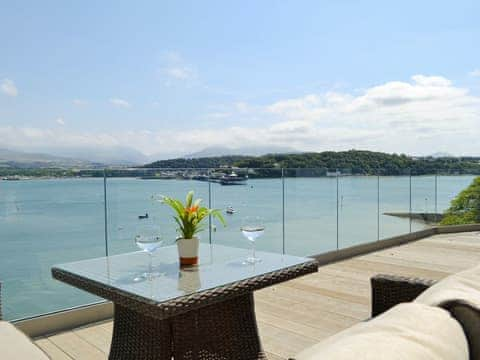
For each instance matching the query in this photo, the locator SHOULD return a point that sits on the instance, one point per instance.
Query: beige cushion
(406, 332)
(460, 294)
(463, 286)
(15, 345)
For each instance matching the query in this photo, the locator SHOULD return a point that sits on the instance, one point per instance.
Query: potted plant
(189, 217)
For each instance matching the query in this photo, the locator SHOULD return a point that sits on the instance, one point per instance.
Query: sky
(168, 78)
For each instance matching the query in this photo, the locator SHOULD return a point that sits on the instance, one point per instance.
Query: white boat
(233, 179)
(230, 210)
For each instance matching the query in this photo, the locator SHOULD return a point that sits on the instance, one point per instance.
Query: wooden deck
(301, 312)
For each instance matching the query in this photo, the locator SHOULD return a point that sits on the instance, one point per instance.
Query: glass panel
(357, 209)
(423, 201)
(132, 203)
(260, 195)
(42, 222)
(394, 204)
(310, 211)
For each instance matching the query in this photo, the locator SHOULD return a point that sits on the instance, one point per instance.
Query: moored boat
(233, 179)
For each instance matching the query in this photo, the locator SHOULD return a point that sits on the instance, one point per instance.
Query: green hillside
(465, 208)
(352, 161)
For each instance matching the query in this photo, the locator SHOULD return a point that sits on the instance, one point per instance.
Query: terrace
(298, 313)
(344, 222)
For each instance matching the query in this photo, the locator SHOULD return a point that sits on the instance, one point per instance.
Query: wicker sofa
(412, 318)
(459, 294)
(15, 345)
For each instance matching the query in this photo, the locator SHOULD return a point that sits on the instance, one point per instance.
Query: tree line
(355, 162)
(465, 208)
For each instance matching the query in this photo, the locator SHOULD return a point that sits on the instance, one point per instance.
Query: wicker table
(204, 312)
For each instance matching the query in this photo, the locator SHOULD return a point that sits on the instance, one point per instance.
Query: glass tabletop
(219, 265)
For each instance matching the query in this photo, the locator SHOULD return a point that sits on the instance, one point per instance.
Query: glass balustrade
(393, 205)
(305, 212)
(44, 222)
(254, 192)
(133, 203)
(310, 212)
(357, 209)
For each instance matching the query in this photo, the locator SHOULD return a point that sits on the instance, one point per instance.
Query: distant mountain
(19, 159)
(111, 155)
(114, 155)
(245, 151)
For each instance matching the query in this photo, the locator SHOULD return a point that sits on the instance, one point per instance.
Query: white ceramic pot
(188, 251)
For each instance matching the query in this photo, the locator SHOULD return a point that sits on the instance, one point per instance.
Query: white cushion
(15, 345)
(406, 332)
(463, 286)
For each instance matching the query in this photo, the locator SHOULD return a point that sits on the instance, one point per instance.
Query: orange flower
(192, 209)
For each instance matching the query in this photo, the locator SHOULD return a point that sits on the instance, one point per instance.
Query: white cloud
(437, 81)
(79, 102)
(8, 87)
(475, 73)
(175, 68)
(38, 138)
(420, 116)
(120, 102)
(180, 73)
(60, 121)
(217, 115)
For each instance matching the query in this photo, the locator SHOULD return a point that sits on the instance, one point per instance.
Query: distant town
(343, 163)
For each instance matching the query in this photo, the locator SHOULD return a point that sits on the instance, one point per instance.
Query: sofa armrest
(390, 290)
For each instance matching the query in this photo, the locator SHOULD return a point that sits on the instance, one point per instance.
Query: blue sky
(171, 77)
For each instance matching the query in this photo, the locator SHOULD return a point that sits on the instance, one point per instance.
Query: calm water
(44, 222)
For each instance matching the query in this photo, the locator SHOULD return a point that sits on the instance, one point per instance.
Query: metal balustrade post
(410, 201)
(209, 206)
(283, 211)
(436, 196)
(105, 212)
(378, 207)
(337, 179)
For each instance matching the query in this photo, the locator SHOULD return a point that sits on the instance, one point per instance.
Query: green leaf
(190, 223)
(197, 202)
(217, 214)
(180, 225)
(188, 201)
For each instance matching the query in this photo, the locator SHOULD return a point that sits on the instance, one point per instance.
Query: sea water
(46, 222)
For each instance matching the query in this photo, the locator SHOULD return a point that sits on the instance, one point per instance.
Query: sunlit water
(148, 243)
(252, 233)
(44, 222)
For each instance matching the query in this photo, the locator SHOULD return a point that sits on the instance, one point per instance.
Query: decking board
(301, 312)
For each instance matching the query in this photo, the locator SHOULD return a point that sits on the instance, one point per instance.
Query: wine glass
(148, 239)
(252, 228)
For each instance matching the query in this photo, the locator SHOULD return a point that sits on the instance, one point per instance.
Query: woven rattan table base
(222, 331)
(136, 336)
